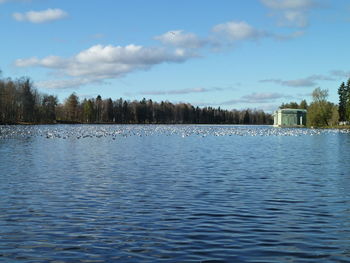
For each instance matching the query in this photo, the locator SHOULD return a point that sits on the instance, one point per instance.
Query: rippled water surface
(174, 194)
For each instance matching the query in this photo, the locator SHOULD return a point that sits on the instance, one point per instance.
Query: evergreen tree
(290, 105)
(125, 112)
(48, 108)
(347, 98)
(88, 111)
(342, 102)
(71, 107)
(27, 100)
(98, 105)
(303, 105)
(109, 110)
(246, 118)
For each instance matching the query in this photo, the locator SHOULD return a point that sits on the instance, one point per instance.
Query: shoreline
(114, 123)
(339, 127)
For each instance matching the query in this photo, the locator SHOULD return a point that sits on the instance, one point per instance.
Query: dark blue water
(174, 194)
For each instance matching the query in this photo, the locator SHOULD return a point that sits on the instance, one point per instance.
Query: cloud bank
(263, 97)
(236, 31)
(182, 91)
(102, 62)
(66, 83)
(291, 12)
(263, 100)
(7, 1)
(179, 38)
(38, 17)
(311, 81)
(107, 61)
(341, 73)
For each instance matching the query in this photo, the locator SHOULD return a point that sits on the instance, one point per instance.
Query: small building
(290, 118)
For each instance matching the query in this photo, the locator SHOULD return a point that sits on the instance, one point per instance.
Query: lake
(174, 193)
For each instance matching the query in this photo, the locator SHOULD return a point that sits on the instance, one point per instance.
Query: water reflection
(234, 194)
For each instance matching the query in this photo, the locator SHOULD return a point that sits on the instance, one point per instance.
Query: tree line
(294, 105)
(21, 102)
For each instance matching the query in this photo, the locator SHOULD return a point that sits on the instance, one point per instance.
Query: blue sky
(227, 53)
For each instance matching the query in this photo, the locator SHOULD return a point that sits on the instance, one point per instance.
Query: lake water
(100, 193)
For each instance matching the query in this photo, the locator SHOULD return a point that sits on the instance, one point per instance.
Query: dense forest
(20, 102)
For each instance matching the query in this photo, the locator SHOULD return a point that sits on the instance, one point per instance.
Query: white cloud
(6, 1)
(291, 12)
(222, 35)
(28, 62)
(105, 62)
(290, 36)
(182, 91)
(310, 81)
(101, 62)
(289, 4)
(50, 62)
(263, 98)
(178, 38)
(341, 73)
(40, 16)
(268, 107)
(65, 83)
(114, 61)
(235, 31)
(305, 82)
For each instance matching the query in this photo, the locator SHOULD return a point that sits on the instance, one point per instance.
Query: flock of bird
(120, 131)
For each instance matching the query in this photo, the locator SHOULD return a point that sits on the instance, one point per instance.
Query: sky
(233, 54)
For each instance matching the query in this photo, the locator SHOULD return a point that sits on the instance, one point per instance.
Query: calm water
(174, 194)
